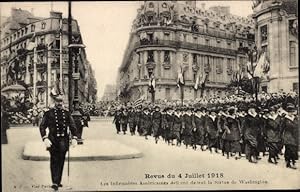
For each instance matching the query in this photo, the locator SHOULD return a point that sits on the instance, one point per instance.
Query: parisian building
(167, 36)
(110, 93)
(276, 32)
(37, 48)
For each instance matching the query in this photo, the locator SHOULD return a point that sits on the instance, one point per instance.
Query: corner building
(168, 34)
(51, 41)
(276, 32)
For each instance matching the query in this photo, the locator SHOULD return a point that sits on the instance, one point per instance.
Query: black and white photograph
(149, 95)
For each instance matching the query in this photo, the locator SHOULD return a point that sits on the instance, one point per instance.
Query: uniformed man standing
(156, 123)
(131, 122)
(58, 120)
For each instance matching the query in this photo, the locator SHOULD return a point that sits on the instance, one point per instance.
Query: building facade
(276, 29)
(168, 36)
(34, 54)
(110, 93)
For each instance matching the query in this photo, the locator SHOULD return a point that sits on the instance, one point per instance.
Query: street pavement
(161, 167)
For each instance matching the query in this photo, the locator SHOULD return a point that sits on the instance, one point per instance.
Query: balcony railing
(186, 45)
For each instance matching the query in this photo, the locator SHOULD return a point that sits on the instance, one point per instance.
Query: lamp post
(75, 46)
(151, 87)
(252, 53)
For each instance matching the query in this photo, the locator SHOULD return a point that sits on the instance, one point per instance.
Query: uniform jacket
(211, 127)
(252, 128)
(273, 128)
(124, 118)
(290, 131)
(177, 124)
(156, 120)
(57, 121)
(233, 125)
(199, 124)
(187, 124)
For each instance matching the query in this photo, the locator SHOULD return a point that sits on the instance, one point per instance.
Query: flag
(138, 102)
(180, 79)
(32, 43)
(152, 81)
(196, 83)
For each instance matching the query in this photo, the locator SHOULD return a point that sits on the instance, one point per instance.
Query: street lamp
(75, 49)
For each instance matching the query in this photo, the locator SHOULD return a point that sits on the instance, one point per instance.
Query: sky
(105, 27)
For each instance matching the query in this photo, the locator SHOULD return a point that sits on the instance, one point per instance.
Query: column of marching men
(233, 131)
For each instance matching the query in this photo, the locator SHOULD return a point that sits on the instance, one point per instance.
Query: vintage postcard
(149, 95)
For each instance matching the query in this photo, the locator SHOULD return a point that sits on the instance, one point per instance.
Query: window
(229, 45)
(185, 57)
(296, 87)
(264, 89)
(168, 93)
(167, 57)
(26, 30)
(151, 5)
(32, 28)
(293, 54)
(195, 39)
(207, 42)
(184, 37)
(167, 36)
(241, 44)
(194, 58)
(150, 56)
(42, 40)
(43, 25)
(264, 34)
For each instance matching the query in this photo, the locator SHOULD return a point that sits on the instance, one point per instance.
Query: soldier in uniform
(137, 119)
(212, 130)
(252, 129)
(124, 120)
(117, 120)
(221, 118)
(175, 131)
(4, 124)
(241, 118)
(291, 136)
(57, 120)
(272, 126)
(156, 121)
(197, 126)
(131, 121)
(168, 124)
(146, 122)
(232, 134)
(187, 126)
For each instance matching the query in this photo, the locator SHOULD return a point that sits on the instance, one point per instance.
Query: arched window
(43, 25)
(151, 5)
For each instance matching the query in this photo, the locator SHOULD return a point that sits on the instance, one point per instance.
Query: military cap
(231, 110)
(290, 107)
(251, 105)
(58, 98)
(273, 108)
(156, 106)
(203, 108)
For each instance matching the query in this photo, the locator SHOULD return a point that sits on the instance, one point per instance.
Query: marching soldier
(273, 126)
(176, 129)
(146, 122)
(131, 121)
(156, 121)
(117, 120)
(232, 134)
(221, 118)
(187, 126)
(168, 124)
(57, 120)
(137, 119)
(291, 136)
(197, 126)
(212, 130)
(252, 129)
(124, 120)
(241, 118)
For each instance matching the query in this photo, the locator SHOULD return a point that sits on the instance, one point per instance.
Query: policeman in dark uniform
(57, 120)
